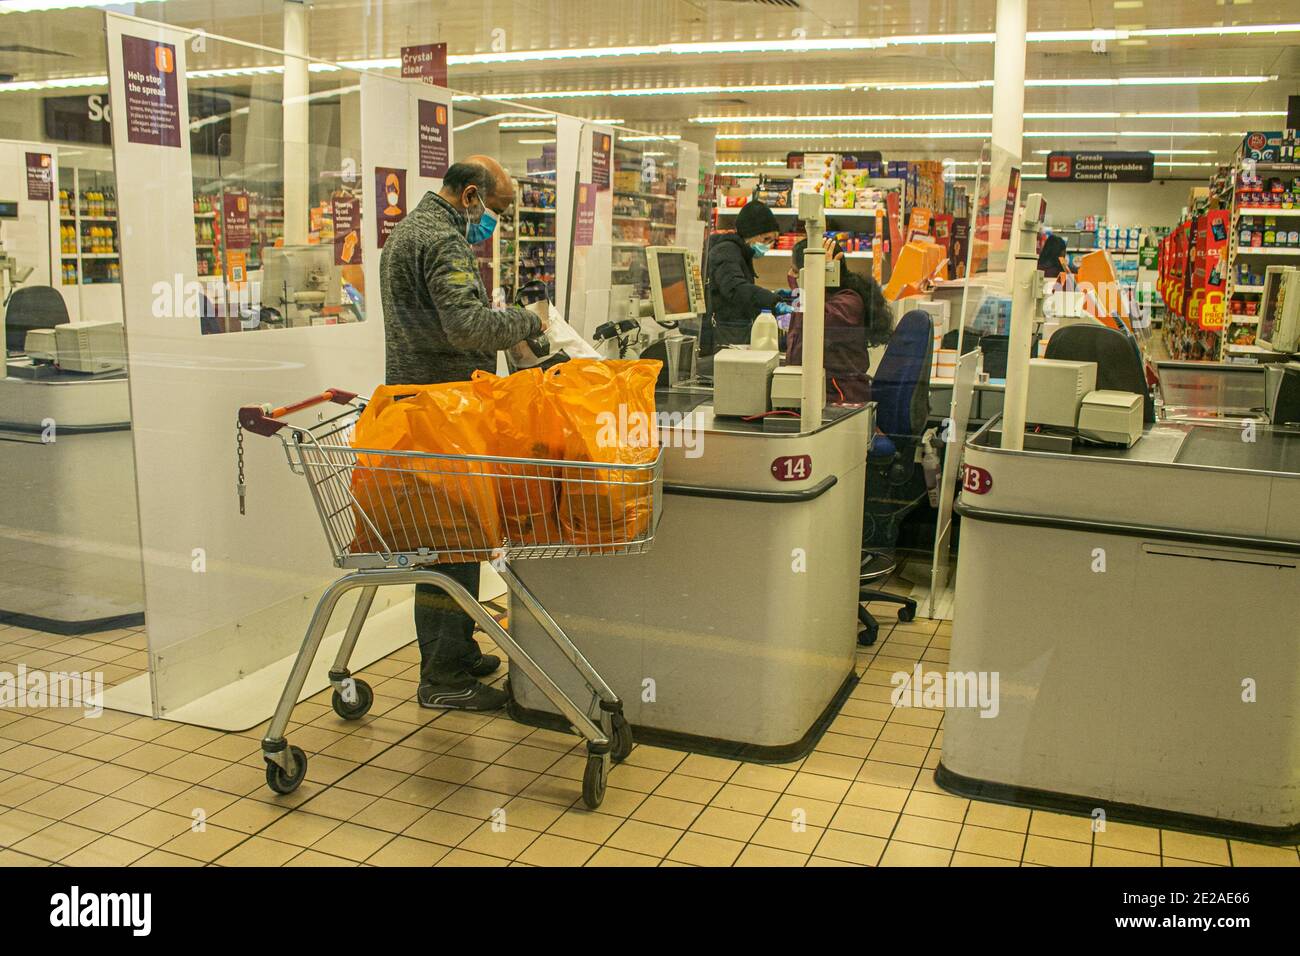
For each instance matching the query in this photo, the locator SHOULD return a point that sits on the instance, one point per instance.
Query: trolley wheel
(593, 781)
(359, 707)
(907, 612)
(281, 782)
(622, 738)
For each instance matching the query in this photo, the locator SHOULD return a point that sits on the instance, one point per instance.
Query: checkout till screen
(672, 277)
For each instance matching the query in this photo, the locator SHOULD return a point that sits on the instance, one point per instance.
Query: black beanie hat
(755, 219)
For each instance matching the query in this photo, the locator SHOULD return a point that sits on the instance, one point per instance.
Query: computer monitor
(8, 208)
(1279, 309)
(300, 281)
(676, 292)
(1284, 408)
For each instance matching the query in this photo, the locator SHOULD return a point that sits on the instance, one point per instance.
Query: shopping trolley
(383, 510)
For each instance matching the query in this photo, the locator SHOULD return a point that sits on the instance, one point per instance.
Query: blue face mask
(759, 249)
(483, 227)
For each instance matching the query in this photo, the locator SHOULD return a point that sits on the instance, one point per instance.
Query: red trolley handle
(264, 420)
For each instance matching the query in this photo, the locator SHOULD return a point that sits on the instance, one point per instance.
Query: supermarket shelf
(100, 255)
(1249, 350)
(631, 218)
(1234, 319)
(1268, 251)
(620, 192)
(535, 239)
(538, 209)
(788, 211)
(1247, 288)
(1266, 211)
(628, 244)
(94, 218)
(786, 253)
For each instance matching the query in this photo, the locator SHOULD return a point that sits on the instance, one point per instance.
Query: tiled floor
(407, 786)
(116, 655)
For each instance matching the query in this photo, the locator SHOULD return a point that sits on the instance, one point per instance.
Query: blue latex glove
(782, 308)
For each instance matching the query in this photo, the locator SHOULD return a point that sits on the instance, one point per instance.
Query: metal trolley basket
(381, 510)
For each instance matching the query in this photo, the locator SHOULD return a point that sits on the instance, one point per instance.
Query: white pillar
(297, 167)
(1009, 75)
(1008, 134)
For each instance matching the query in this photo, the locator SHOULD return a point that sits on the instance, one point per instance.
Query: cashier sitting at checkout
(857, 318)
(1052, 262)
(734, 298)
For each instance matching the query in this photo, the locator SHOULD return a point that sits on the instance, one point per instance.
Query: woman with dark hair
(1051, 258)
(857, 318)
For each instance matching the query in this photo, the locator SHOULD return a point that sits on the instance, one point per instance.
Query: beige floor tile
(565, 793)
(314, 858)
(627, 777)
(876, 796)
(927, 832)
(11, 858)
(404, 851)
(339, 804)
(897, 732)
(206, 844)
(17, 825)
(375, 781)
(1175, 862)
(974, 859)
(1195, 847)
(700, 849)
(154, 828)
(1253, 854)
(523, 757)
(997, 816)
(421, 791)
(439, 826)
(585, 825)
(505, 843)
(655, 758)
(106, 814)
(392, 816)
(19, 788)
(56, 841)
(832, 765)
(818, 861)
(712, 768)
(665, 812)
(816, 787)
(107, 851)
(804, 810)
(551, 850)
(844, 745)
(679, 786)
(300, 828)
(240, 780)
(762, 777)
(1049, 851)
(247, 816)
(850, 847)
(899, 853)
(744, 799)
(865, 820)
(1060, 826)
(888, 774)
(611, 856)
(641, 837)
(60, 802)
(755, 855)
(1126, 836)
(531, 814)
(988, 841)
(783, 835)
(352, 842)
(1110, 856)
(191, 799)
(259, 851)
(729, 824)
(936, 806)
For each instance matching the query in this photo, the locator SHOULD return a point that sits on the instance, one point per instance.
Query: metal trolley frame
(408, 500)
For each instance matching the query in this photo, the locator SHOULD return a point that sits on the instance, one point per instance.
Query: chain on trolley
(240, 487)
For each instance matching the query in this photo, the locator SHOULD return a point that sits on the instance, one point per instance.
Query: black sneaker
(474, 696)
(486, 664)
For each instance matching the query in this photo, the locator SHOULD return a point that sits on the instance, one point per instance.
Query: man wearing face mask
(734, 298)
(440, 326)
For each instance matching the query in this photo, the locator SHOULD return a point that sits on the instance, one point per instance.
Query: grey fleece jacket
(439, 324)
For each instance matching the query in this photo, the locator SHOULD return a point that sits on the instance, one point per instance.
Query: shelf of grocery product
(618, 218)
(640, 195)
(788, 211)
(1247, 289)
(1266, 251)
(629, 244)
(88, 237)
(534, 239)
(538, 209)
(1267, 211)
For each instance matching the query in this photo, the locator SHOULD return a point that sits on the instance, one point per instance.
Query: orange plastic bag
(606, 412)
(524, 425)
(414, 502)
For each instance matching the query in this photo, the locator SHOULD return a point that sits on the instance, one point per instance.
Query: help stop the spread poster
(434, 151)
(152, 100)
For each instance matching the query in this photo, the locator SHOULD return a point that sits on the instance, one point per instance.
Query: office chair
(1119, 365)
(32, 307)
(895, 483)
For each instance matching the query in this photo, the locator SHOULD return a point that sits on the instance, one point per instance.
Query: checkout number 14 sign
(792, 468)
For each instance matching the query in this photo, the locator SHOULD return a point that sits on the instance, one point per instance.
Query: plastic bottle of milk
(763, 335)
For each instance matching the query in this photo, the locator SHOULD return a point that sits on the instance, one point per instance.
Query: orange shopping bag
(524, 426)
(408, 502)
(606, 412)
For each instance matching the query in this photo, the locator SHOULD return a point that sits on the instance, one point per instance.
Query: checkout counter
(735, 635)
(1139, 606)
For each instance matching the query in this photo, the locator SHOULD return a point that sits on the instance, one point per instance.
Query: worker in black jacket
(733, 297)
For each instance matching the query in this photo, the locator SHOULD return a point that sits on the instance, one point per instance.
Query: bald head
(478, 179)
